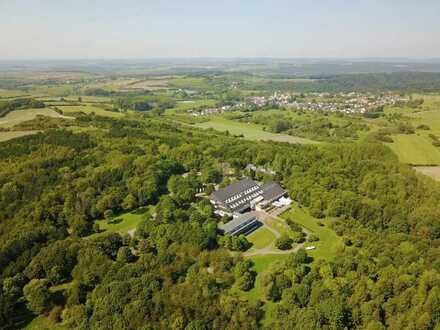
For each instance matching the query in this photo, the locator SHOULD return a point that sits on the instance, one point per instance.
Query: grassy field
(121, 224)
(10, 93)
(328, 243)
(43, 323)
(249, 131)
(261, 238)
(18, 116)
(5, 136)
(191, 104)
(261, 263)
(415, 149)
(90, 109)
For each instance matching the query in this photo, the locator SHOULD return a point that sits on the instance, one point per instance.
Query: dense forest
(347, 82)
(176, 272)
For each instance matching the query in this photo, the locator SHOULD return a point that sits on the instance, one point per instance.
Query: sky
(137, 29)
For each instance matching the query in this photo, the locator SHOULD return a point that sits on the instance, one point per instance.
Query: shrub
(313, 238)
(284, 242)
(294, 226)
(347, 241)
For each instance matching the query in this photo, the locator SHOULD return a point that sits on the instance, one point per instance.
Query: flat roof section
(272, 191)
(239, 224)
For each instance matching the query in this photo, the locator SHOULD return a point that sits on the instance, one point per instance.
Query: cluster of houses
(241, 199)
(341, 102)
(350, 103)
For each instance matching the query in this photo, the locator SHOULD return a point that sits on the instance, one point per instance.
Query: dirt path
(432, 171)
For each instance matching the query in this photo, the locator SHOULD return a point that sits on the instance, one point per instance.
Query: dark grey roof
(272, 191)
(233, 189)
(238, 223)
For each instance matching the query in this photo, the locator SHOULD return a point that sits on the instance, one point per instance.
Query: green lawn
(261, 238)
(261, 263)
(249, 131)
(328, 243)
(120, 224)
(43, 323)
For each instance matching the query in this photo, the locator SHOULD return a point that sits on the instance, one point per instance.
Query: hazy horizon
(195, 29)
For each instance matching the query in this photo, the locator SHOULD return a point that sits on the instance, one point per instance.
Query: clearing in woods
(17, 116)
(5, 136)
(249, 131)
(88, 109)
(417, 149)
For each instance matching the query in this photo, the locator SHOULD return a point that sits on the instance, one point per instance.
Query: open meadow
(5, 136)
(329, 243)
(249, 131)
(417, 149)
(88, 109)
(15, 117)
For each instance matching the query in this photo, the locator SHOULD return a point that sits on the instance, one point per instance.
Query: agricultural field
(249, 131)
(5, 136)
(10, 93)
(417, 149)
(88, 109)
(18, 116)
(147, 84)
(183, 106)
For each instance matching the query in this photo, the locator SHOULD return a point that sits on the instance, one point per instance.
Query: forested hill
(174, 274)
(373, 82)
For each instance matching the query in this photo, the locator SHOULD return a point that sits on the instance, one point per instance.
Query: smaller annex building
(241, 225)
(245, 195)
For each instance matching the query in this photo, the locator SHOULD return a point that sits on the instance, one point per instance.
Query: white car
(310, 248)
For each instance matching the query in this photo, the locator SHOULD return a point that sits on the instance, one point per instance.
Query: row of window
(240, 195)
(245, 200)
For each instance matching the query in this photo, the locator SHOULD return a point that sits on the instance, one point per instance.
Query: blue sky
(196, 28)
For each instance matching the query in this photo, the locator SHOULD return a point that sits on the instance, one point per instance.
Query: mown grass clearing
(415, 149)
(17, 116)
(249, 131)
(329, 243)
(261, 263)
(261, 238)
(120, 224)
(88, 109)
(5, 136)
